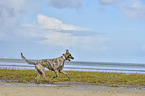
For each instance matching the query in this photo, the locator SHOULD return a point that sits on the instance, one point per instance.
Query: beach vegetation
(104, 78)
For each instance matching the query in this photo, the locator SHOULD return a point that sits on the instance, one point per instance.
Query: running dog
(55, 65)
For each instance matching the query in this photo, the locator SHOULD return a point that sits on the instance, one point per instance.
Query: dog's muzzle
(69, 59)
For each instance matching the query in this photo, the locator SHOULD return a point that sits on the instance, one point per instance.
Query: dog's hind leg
(39, 74)
(61, 71)
(43, 74)
(41, 71)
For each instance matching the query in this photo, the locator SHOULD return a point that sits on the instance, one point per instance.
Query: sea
(127, 68)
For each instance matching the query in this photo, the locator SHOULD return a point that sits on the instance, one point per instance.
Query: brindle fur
(55, 65)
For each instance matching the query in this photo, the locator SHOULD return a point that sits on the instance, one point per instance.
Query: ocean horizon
(126, 68)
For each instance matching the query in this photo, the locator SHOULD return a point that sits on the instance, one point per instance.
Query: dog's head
(68, 56)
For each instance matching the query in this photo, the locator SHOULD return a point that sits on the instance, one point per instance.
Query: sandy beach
(65, 89)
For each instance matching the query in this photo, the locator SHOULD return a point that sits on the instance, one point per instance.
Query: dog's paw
(55, 76)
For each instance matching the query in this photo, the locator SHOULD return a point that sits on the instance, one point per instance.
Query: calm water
(80, 66)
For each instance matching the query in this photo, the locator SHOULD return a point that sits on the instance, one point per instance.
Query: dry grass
(86, 77)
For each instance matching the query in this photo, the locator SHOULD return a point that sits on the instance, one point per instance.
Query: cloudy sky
(93, 30)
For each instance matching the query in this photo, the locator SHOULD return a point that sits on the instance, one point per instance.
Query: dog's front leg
(61, 71)
(56, 72)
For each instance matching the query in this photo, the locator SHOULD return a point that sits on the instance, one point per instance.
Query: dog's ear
(67, 51)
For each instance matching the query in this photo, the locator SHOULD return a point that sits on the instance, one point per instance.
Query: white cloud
(106, 2)
(69, 41)
(65, 3)
(11, 12)
(134, 9)
(52, 23)
(49, 31)
(45, 30)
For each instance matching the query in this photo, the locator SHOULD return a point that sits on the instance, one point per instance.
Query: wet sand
(65, 89)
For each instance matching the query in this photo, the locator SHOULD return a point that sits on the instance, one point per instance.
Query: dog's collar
(63, 57)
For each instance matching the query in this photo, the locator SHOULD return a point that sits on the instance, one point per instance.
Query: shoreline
(69, 84)
(65, 89)
(82, 66)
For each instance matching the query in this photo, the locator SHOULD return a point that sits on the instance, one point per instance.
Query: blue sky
(93, 30)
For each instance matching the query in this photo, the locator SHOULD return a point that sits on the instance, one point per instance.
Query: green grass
(85, 77)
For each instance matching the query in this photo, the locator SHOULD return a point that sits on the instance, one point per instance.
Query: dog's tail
(27, 60)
